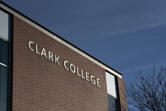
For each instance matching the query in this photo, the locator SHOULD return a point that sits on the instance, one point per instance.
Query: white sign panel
(110, 82)
(4, 25)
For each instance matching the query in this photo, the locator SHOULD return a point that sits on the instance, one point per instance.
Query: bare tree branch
(148, 93)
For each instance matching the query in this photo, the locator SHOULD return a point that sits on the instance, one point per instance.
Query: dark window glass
(4, 52)
(3, 88)
(112, 103)
(5, 24)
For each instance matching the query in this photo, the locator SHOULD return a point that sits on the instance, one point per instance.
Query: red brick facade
(41, 85)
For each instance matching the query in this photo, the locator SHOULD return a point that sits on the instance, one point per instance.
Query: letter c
(29, 45)
(65, 62)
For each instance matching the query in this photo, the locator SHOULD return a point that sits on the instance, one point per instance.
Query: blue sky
(128, 35)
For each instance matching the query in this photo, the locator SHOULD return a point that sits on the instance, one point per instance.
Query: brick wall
(41, 85)
(122, 95)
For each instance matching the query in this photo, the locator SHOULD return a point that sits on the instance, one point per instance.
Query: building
(40, 71)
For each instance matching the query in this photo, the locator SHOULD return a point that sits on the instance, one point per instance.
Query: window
(111, 91)
(111, 103)
(3, 88)
(3, 74)
(4, 52)
(111, 87)
(4, 25)
(4, 60)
